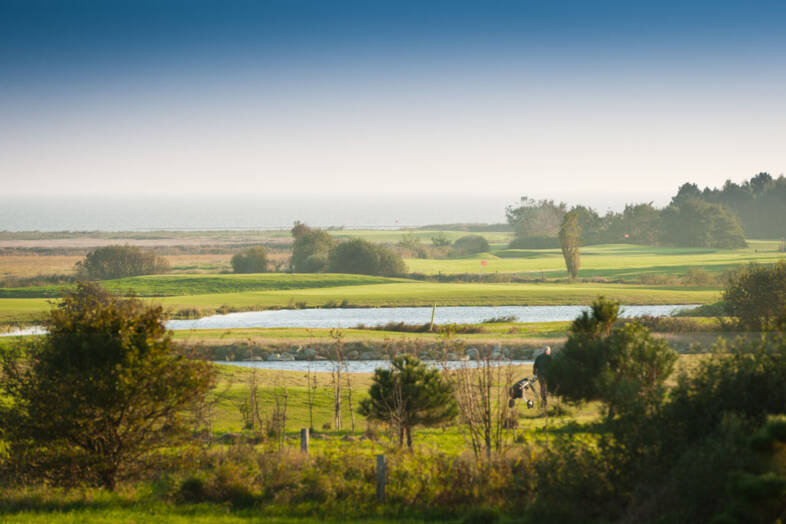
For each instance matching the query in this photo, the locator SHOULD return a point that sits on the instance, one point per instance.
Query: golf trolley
(520, 389)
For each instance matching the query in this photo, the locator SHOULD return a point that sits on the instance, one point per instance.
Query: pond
(356, 366)
(348, 318)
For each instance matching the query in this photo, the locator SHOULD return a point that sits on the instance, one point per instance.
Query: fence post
(304, 440)
(382, 476)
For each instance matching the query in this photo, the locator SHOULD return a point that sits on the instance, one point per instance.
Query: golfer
(540, 368)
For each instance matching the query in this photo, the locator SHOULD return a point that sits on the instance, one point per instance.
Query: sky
(571, 100)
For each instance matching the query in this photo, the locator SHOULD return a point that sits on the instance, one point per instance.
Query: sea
(262, 211)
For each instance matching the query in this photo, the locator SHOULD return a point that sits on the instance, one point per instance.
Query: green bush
(364, 258)
(95, 398)
(110, 262)
(624, 367)
(756, 296)
(470, 244)
(310, 249)
(251, 260)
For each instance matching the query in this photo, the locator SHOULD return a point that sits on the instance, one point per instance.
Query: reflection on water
(352, 317)
(347, 318)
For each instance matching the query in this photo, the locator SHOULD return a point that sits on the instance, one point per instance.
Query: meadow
(199, 283)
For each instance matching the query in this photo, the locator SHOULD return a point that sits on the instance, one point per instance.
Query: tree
(100, 392)
(109, 262)
(364, 258)
(311, 249)
(622, 367)
(470, 244)
(535, 218)
(695, 223)
(570, 240)
(756, 296)
(408, 394)
(251, 260)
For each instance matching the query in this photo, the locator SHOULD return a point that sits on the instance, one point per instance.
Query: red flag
(483, 263)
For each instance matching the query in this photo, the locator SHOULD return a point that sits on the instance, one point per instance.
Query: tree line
(712, 218)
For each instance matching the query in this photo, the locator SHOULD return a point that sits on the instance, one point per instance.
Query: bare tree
(338, 366)
(481, 390)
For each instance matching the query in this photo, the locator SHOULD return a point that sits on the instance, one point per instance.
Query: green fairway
(453, 294)
(615, 261)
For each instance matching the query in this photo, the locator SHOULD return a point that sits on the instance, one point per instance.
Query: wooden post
(382, 476)
(304, 440)
(433, 312)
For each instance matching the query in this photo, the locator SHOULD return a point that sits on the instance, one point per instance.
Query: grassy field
(618, 271)
(611, 261)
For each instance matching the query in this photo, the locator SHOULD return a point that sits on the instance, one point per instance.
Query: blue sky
(568, 99)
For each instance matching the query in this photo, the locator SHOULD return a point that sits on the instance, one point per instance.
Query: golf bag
(517, 391)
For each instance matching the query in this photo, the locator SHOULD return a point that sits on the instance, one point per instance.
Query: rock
(285, 356)
(305, 353)
(353, 355)
(272, 357)
(472, 353)
(369, 355)
(450, 356)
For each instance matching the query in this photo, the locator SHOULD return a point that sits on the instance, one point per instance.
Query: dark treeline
(713, 218)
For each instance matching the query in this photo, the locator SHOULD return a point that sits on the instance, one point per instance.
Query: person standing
(540, 368)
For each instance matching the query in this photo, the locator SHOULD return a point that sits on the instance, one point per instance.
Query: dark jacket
(542, 364)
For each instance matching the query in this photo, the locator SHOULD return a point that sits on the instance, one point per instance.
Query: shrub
(251, 260)
(120, 261)
(310, 250)
(408, 395)
(470, 244)
(756, 296)
(623, 367)
(362, 257)
(99, 393)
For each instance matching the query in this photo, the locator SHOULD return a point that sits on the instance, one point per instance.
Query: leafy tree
(100, 392)
(251, 260)
(756, 296)
(622, 366)
(440, 240)
(362, 257)
(410, 242)
(570, 240)
(311, 249)
(299, 229)
(695, 223)
(409, 394)
(110, 262)
(639, 224)
(470, 244)
(535, 217)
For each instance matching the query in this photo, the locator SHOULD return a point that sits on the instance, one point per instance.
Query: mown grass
(612, 261)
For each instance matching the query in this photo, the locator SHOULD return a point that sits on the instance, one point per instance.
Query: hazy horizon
(123, 212)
